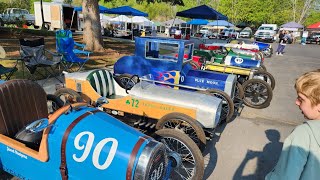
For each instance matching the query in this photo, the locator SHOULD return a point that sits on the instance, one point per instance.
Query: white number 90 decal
(97, 150)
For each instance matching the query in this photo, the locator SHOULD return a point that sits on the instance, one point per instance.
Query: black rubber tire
(247, 84)
(192, 63)
(73, 96)
(262, 68)
(239, 91)
(266, 77)
(56, 103)
(121, 79)
(163, 135)
(220, 94)
(261, 55)
(201, 140)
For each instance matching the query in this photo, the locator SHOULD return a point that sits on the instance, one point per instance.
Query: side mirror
(38, 125)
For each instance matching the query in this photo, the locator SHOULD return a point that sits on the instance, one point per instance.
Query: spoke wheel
(261, 55)
(227, 104)
(185, 124)
(257, 93)
(267, 52)
(239, 92)
(68, 96)
(265, 76)
(192, 163)
(262, 68)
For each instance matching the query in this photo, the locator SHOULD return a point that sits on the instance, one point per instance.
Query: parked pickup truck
(12, 15)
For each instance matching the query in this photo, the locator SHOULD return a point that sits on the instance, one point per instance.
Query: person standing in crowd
(281, 43)
(300, 156)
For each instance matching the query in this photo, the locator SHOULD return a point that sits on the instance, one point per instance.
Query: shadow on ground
(266, 159)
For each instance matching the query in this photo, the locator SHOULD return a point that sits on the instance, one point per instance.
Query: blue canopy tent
(220, 23)
(198, 22)
(202, 12)
(102, 9)
(126, 10)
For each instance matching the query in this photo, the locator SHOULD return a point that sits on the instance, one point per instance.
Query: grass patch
(21, 31)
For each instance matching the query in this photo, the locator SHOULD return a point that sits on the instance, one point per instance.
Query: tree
(92, 27)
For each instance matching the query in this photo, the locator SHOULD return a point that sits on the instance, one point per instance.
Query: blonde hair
(309, 85)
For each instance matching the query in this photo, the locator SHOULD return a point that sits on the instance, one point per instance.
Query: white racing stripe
(103, 84)
(96, 81)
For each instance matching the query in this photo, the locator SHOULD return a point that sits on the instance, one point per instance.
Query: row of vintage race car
(174, 98)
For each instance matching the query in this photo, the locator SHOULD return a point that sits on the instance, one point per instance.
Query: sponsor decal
(205, 81)
(16, 153)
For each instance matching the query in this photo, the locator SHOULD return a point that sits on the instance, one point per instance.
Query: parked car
(246, 33)
(264, 36)
(313, 38)
(12, 15)
(229, 33)
(172, 30)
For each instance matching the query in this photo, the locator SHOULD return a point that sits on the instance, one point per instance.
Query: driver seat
(21, 102)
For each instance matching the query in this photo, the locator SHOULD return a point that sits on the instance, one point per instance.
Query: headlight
(152, 163)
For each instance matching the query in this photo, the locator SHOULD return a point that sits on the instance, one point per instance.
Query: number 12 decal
(97, 150)
(135, 102)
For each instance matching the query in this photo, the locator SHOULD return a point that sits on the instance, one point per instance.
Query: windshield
(167, 51)
(265, 28)
(161, 51)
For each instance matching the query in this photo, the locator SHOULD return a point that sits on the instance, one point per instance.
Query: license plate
(263, 38)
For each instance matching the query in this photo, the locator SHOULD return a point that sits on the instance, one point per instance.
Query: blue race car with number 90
(82, 142)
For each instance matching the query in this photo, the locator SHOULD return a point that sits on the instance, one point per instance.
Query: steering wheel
(127, 86)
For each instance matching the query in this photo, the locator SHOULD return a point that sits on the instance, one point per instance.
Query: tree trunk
(92, 28)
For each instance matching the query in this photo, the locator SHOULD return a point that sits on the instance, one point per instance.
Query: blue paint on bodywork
(245, 63)
(101, 126)
(143, 62)
(262, 46)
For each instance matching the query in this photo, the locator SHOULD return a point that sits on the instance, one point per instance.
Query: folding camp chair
(69, 58)
(6, 72)
(78, 48)
(33, 55)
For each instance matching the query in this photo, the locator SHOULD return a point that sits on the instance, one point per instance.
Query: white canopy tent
(141, 21)
(121, 18)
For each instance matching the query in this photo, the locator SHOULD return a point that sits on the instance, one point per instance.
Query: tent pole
(72, 19)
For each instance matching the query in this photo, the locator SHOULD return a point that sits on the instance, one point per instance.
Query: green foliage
(254, 12)
(314, 17)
